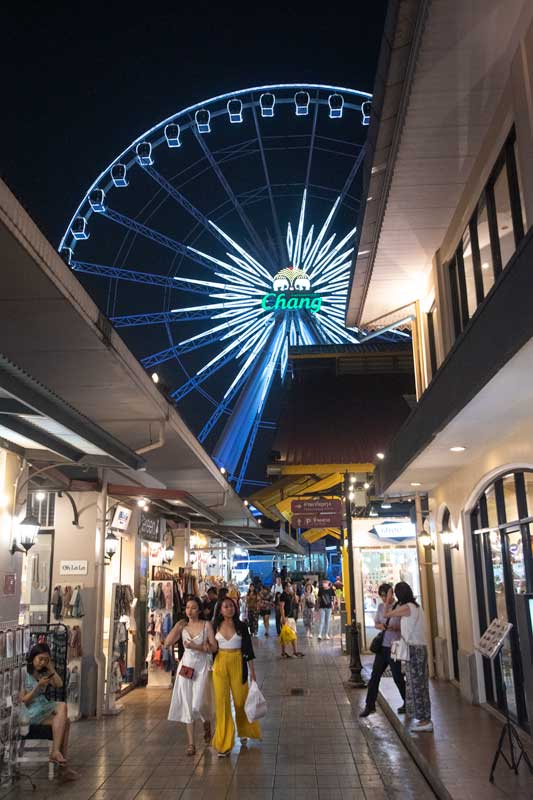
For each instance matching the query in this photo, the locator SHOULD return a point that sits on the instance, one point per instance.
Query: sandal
(285, 655)
(191, 750)
(61, 762)
(299, 655)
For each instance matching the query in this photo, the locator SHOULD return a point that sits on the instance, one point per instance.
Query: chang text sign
(286, 301)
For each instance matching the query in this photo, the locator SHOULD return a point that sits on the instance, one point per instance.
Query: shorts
(264, 613)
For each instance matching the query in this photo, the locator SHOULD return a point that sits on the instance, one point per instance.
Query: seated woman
(41, 711)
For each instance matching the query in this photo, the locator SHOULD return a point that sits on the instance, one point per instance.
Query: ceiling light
(485, 265)
(381, 456)
(146, 507)
(155, 377)
(352, 479)
(458, 448)
(40, 496)
(366, 485)
(386, 505)
(141, 502)
(246, 503)
(373, 512)
(415, 483)
(223, 470)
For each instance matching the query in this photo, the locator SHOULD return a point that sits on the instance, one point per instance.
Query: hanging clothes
(76, 603)
(57, 603)
(74, 642)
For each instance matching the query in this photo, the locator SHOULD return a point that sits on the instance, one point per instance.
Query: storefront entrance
(503, 560)
(385, 565)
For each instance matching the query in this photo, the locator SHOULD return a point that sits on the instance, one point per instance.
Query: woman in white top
(192, 697)
(417, 702)
(235, 656)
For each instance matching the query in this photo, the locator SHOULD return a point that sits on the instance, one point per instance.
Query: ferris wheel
(222, 236)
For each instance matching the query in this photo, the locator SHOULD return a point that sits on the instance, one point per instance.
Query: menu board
(492, 640)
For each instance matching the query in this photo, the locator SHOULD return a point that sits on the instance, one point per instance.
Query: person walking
(326, 597)
(417, 700)
(308, 603)
(276, 590)
(252, 605)
(210, 603)
(192, 697)
(265, 608)
(288, 634)
(382, 660)
(233, 660)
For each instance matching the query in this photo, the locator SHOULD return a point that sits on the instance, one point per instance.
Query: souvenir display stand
(490, 646)
(14, 647)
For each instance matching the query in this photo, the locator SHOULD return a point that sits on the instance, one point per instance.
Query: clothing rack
(117, 646)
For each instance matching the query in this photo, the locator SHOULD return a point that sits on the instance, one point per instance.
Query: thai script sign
(321, 513)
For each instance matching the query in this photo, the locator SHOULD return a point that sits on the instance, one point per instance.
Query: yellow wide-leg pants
(227, 677)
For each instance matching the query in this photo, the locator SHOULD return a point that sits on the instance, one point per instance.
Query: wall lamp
(449, 539)
(168, 547)
(425, 539)
(111, 545)
(28, 531)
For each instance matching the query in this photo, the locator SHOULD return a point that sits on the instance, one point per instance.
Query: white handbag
(399, 650)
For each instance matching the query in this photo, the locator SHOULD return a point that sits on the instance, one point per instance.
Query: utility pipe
(99, 657)
(160, 441)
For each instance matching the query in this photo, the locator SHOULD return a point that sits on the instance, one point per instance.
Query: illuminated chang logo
(292, 290)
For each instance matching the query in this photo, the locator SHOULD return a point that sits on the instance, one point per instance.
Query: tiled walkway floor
(461, 750)
(313, 746)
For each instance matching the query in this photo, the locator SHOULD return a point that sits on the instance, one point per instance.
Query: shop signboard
(150, 528)
(394, 530)
(322, 513)
(121, 518)
(73, 567)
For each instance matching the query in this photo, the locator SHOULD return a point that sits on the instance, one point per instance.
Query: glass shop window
(492, 513)
(468, 262)
(485, 251)
(504, 220)
(519, 178)
(509, 493)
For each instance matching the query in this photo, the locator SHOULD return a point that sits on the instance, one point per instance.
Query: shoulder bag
(377, 642)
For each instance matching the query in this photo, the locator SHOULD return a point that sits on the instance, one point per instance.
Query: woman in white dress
(192, 697)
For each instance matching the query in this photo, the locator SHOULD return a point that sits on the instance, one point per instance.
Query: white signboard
(121, 518)
(395, 530)
(73, 567)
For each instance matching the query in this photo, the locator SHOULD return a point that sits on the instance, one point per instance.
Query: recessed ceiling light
(381, 456)
(458, 448)
(415, 483)
(366, 485)
(155, 377)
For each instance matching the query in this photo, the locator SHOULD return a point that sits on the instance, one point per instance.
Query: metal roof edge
(38, 397)
(398, 12)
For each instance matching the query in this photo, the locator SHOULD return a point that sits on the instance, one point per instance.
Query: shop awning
(39, 424)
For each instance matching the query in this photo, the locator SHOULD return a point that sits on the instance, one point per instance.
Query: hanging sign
(121, 518)
(150, 528)
(316, 513)
(73, 567)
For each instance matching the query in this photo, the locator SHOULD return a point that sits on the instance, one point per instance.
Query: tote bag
(255, 707)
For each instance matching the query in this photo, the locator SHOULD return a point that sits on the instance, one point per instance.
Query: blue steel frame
(249, 391)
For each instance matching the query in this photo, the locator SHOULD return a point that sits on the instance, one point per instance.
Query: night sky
(86, 79)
